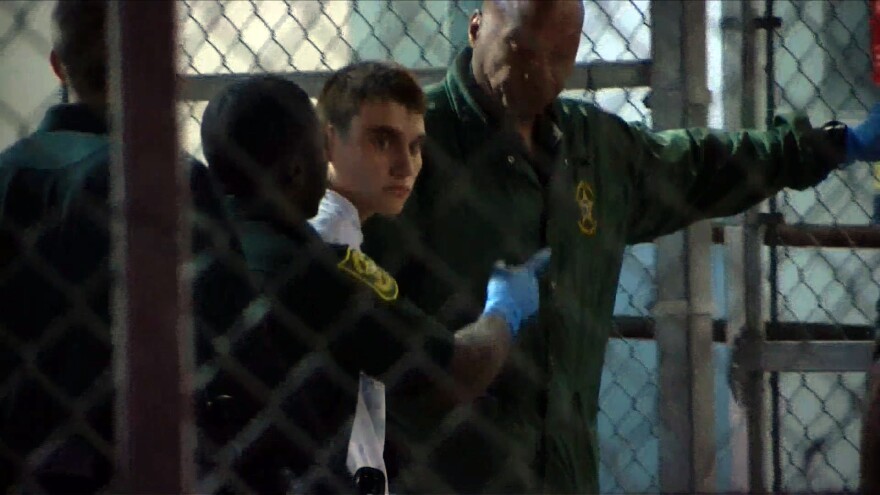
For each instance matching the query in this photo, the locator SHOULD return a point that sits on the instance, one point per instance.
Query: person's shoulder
(578, 115)
(56, 167)
(56, 151)
(573, 108)
(360, 268)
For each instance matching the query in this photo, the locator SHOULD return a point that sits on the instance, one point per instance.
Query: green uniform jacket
(334, 314)
(596, 185)
(54, 296)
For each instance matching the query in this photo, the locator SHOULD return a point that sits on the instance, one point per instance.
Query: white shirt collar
(338, 221)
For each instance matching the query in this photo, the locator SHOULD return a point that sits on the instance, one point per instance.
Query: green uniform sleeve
(384, 335)
(678, 177)
(386, 327)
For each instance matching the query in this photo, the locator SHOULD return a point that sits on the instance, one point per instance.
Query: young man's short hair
(253, 129)
(361, 82)
(80, 41)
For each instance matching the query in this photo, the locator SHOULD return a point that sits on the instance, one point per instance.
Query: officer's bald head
(524, 50)
(520, 11)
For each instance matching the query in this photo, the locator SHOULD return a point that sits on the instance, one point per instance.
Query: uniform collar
(248, 211)
(73, 117)
(465, 93)
(468, 102)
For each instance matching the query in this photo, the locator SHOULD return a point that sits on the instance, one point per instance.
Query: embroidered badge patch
(361, 267)
(586, 199)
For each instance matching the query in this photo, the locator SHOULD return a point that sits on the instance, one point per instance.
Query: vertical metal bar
(735, 41)
(742, 94)
(684, 308)
(773, 273)
(753, 336)
(736, 331)
(699, 262)
(149, 189)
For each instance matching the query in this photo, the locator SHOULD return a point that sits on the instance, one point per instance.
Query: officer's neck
(97, 102)
(526, 130)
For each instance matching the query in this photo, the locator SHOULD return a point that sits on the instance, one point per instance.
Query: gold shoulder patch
(361, 267)
(586, 200)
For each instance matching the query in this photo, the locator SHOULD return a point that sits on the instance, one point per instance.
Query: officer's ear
(474, 26)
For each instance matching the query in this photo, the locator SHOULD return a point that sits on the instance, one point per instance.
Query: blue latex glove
(863, 141)
(512, 292)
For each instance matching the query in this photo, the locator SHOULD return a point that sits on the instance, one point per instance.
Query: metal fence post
(746, 333)
(684, 302)
(149, 190)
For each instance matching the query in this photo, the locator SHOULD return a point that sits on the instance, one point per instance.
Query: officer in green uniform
(335, 313)
(509, 168)
(55, 342)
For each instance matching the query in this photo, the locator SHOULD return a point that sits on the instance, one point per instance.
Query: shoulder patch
(361, 267)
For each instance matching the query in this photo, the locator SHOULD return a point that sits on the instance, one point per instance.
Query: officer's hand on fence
(512, 292)
(863, 140)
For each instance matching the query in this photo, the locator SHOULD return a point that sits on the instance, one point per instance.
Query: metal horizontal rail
(830, 348)
(816, 236)
(591, 76)
(811, 356)
(635, 327)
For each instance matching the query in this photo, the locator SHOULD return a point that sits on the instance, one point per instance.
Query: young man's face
(376, 162)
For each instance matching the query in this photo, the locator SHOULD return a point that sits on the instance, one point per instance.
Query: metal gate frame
(762, 345)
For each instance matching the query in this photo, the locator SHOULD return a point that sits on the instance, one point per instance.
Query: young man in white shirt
(372, 114)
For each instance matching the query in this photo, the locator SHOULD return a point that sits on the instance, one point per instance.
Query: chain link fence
(250, 37)
(821, 66)
(821, 57)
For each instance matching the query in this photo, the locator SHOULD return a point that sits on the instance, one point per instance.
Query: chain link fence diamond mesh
(251, 37)
(822, 67)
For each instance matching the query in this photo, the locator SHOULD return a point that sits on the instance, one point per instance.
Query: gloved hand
(863, 141)
(512, 292)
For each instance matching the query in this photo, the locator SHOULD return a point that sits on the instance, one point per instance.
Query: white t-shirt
(338, 221)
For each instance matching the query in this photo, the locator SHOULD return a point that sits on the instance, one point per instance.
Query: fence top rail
(588, 76)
